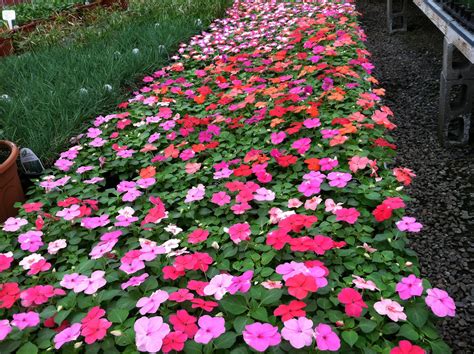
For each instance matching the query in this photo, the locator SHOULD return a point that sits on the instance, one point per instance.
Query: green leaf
(267, 257)
(260, 314)
(225, 341)
(240, 322)
(367, 326)
(408, 331)
(28, 348)
(417, 314)
(272, 296)
(440, 347)
(61, 316)
(390, 328)
(192, 347)
(350, 337)
(234, 304)
(118, 315)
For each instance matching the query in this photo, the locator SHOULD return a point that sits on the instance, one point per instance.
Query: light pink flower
(331, 206)
(14, 224)
(361, 283)
(339, 179)
(409, 224)
(95, 282)
(67, 335)
(260, 336)
(440, 303)
(75, 282)
(152, 304)
(69, 213)
(390, 308)
(30, 241)
(326, 339)
(358, 163)
(195, 193)
(409, 286)
(294, 203)
(263, 194)
(299, 332)
(218, 286)
(149, 333)
(272, 284)
(312, 204)
(135, 281)
(209, 328)
(55, 246)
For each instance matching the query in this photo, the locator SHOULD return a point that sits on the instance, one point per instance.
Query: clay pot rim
(14, 151)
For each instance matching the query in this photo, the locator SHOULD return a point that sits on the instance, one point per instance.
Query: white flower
(28, 261)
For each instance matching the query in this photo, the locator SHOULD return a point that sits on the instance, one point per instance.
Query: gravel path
(408, 66)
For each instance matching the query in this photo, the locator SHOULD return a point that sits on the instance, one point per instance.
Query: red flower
(205, 305)
(174, 341)
(353, 302)
(286, 160)
(94, 327)
(278, 239)
(181, 295)
(170, 272)
(182, 321)
(31, 207)
(198, 235)
(278, 111)
(321, 244)
(382, 212)
(293, 309)
(300, 285)
(9, 293)
(197, 286)
(5, 262)
(405, 347)
(403, 175)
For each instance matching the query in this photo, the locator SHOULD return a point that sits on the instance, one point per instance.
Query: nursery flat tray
(451, 28)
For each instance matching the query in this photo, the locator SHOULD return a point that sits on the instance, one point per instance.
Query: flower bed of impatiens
(243, 200)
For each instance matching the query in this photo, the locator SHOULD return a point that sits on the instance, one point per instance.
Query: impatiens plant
(243, 200)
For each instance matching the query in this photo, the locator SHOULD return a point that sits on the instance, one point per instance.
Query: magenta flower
(301, 145)
(95, 222)
(218, 286)
(135, 281)
(260, 336)
(5, 329)
(299, 332)
(242, 283)
(409, 224)
(152, 304)
(326, 339)
(328, 164)
(277, 138)
(220, 198)
(409, 287)
(339, 179)
(149, 333)
(440, 303)
(390, 308)
(31, 240)
(195, 193)
(209, 328)
(239, 232)
(67, 335)
(23, 320)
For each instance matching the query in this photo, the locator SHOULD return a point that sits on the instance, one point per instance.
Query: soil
(408, 66)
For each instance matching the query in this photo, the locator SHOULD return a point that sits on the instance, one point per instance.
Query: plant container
(6, 46)
(10, 185)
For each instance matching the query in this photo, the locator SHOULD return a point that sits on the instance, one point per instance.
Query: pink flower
(23, 320)
(294, 203)
(198, 235)
(75, 282)
(409, 224)
(63, 165)
(440, 303)
(14, 224)
(95, 222)
(390, 308)
(195, 193)
(263, 194)
(55, 246)
(152, 304)
(358, 163)
(192, 167)
(31, 241)
(326, 339)
(409, 287)
(361, 283)
(149, 333)
(331, 206)
(218, 286)
(353, 302)
(260, 336)
(272, 284)
(299, 332)
(302, 145)
(220, 198)
(239, 232)
(349, 215)
(135, 281)
(209, 328)
(69, 213)
(242, 283)
(5, 329)
(328, 164)
(339, 179)
(277, 138)
(67, 335)
(405, 347)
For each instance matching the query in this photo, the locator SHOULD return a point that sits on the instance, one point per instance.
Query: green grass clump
(46, 107)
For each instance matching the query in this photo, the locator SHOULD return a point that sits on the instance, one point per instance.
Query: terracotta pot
(6, 46)
(109, 3)
(10, 186)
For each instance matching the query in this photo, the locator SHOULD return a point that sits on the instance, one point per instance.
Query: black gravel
(408, 66)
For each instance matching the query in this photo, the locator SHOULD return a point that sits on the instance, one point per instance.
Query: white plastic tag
(9, 16)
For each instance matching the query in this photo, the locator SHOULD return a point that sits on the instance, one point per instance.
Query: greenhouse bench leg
(456, 97)
(397, 19)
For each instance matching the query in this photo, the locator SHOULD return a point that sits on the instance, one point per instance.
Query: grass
(45, 105)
